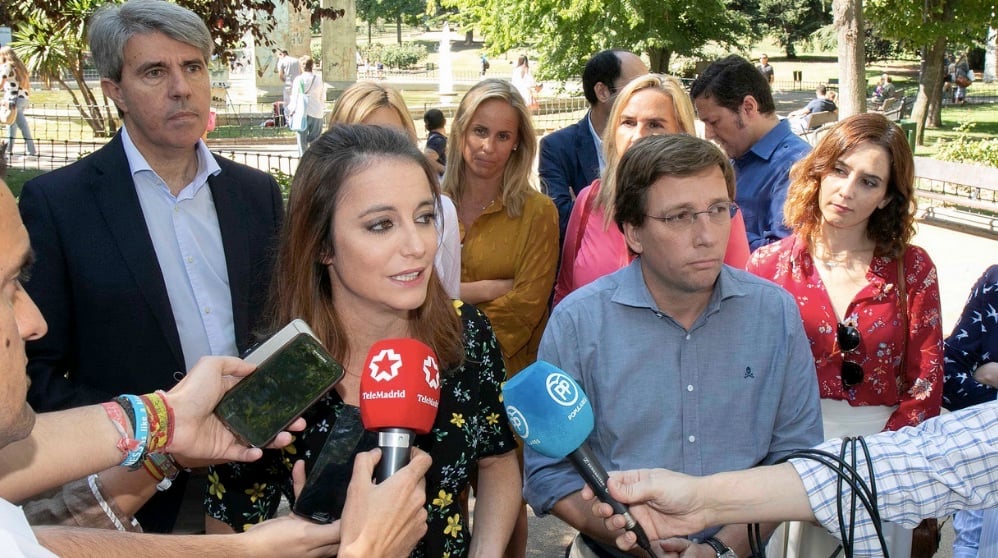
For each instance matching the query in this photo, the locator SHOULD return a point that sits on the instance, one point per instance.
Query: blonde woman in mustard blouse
(509, 230)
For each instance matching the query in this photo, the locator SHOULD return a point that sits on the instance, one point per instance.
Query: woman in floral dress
(876, 339)
(356, 262)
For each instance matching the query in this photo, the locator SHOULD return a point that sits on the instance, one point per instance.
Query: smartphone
(328, 478)
(293, 371)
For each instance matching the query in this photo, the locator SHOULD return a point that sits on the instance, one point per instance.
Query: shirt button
(207, 310)
(190, 259)
(693, 439)
(689, 387)
(688, 336)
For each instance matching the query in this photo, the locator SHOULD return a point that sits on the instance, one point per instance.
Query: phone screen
(282, 388)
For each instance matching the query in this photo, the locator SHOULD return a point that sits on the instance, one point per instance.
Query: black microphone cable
(845, 467)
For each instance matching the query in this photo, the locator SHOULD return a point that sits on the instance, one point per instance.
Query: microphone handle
(595, 475)
(396, 450)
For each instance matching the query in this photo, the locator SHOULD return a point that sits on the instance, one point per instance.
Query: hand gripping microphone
(399, 396)
(549, 410)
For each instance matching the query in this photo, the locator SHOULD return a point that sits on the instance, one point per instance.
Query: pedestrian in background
(15, 84)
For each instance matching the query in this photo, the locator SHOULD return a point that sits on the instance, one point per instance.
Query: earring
(515, 147)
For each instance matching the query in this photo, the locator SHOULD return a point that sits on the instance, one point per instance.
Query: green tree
(790, 21)
(565, 33)
(411, 12)
(50, 37)
(925, 26)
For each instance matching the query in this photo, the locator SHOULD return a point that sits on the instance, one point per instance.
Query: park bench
(958, 194)
(819, 122)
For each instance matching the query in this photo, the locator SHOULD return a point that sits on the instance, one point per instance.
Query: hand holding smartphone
(293, 371)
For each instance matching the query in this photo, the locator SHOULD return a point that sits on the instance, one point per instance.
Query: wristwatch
(721, 550)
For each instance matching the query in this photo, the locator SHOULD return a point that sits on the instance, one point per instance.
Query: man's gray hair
(113, 24)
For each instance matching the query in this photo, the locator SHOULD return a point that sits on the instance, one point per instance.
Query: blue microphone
(551, 413)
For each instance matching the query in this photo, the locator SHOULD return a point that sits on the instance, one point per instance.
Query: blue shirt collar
(767, 144)
(632, 290)
(207, 165)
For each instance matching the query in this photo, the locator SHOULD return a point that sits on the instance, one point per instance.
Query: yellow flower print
(443, 500)
(256, 492)
(457, 305)
(215, 487)
(493, 418)
(453, 527)
(457, 419)
(446, 555)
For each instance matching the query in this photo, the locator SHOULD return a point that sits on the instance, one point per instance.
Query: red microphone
(399, 396)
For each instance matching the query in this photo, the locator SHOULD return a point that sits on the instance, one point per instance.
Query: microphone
(551, 413)
(399, 396)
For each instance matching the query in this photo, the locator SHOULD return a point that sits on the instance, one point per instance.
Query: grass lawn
(984, 117)
(17, 177)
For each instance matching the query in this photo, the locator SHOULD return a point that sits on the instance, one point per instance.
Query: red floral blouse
(875, 313)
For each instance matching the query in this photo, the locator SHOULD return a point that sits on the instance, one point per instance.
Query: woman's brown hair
(302, 287)
(892, 227)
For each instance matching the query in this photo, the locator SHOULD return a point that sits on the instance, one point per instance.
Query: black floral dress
(471, 424)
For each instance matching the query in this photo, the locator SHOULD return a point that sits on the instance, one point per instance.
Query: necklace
(488, 205)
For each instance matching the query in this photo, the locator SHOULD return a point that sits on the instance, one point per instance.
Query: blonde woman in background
(652, 104)
(509, 230)
(15, 84)
(375, 104)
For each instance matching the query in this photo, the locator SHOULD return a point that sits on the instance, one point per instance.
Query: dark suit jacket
(98, 283)
(568, 163)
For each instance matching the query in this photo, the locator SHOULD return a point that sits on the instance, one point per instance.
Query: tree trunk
(658, 59)
(369, 32)
(469, 36)
(930, 86)
(848, 20)
(398, 29)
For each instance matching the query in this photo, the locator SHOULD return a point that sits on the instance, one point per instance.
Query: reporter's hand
(665, 503)
(198, 436)
(291, 535)
(386, 519)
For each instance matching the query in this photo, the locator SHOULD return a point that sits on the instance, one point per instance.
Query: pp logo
(562, 388)
(518, 422)
(385, 366)
(432, 372)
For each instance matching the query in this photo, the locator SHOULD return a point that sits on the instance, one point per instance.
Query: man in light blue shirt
(736, 105)
(689, 364)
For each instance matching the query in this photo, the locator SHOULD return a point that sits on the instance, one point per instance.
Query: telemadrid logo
(518, 422)
(385, 365)
(432, 372)
(562, 388)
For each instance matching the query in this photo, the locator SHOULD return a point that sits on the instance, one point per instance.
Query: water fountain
(446, 76)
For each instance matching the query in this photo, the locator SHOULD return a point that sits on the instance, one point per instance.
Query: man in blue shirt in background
(736, 105)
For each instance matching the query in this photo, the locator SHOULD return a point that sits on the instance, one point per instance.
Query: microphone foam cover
(400, 386)
(548, 409)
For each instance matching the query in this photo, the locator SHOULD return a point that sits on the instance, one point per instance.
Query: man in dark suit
(572, 157)
(151, 252)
